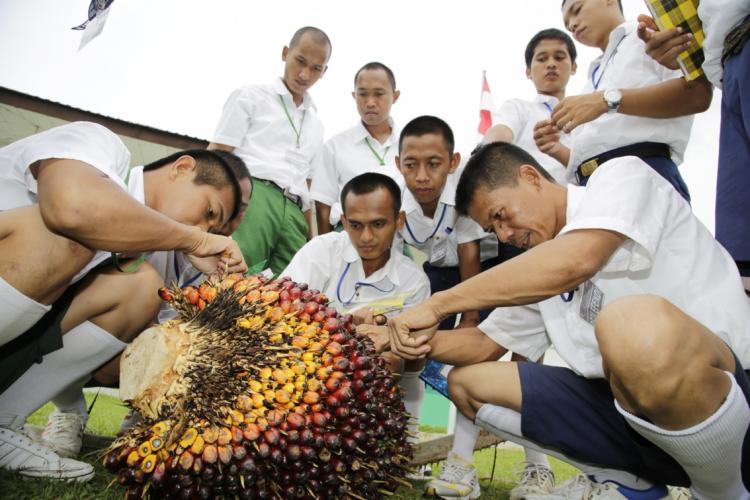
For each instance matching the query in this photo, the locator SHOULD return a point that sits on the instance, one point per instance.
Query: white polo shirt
(331, 264)
(257, 121)
(668, 253)
(347, 155)
(719, 17)
(83, 141)
(520, 116)
(625, 65)
(438, 237)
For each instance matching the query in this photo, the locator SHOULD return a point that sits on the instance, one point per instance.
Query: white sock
(413, 388)
(506, 423)
(536, 457)
(85, 348)
(465, 438)
(710, 452)
(71, 399)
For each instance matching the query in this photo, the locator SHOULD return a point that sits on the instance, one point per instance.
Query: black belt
(736, 39)
(640, 149)
(296, 199)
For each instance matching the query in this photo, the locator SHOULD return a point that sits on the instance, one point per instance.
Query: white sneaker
(64, 433)
(457, 479)
(18, 453)
(421, 473)
(678, 493)
(581, 487)
(535, 480)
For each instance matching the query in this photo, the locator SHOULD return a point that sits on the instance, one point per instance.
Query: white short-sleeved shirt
(347, 155)
(719, 17)
(255, 123)
(83, 141)
(520, 116)
(668, 253)
(331, 264)
(438, 237)
(625, 65)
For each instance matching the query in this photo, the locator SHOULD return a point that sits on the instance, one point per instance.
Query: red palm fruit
(210, 454)
(295, 420)
(295, 292)
(274, 417)
(251, 432)
(338, 466)
(264, 450)
(331, 324)
(285, 296)
(311, 397)
(358, 385)
(311, 307)
(157, 477)
(277, 455)
(332, 440)
(186, 460)
(344, 393)
(197, 466)
(342, 412)
(238, 452)
(319, 316)
(365, 375)
(292, 436)
(201, 304)
(225, 454)
(166, 294)
(319, 419)
(271, 436)
(191, 295)
(323, 372)
(293, 452)
(340, 363)
(247, 465)
(306, 436)
(269, 296)
(332, 384)
(305, 317)
(225, 436)
(307, 453)
(339, 337)
(334, 349)
(359, 435)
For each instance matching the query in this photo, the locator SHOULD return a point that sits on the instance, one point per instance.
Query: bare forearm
(322, 214)
(469, 266)
(465, 346)
(670, 99)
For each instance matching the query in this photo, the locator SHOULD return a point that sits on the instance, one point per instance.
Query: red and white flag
(486, 106)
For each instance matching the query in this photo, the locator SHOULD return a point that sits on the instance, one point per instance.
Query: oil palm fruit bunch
(258, 390)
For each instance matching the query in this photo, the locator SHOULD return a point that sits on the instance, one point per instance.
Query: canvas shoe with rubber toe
(582, 488)
(535, 480)
(64, 433)
(457, 479)
(18, 453)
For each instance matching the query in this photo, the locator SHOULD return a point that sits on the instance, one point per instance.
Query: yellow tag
(588, 167)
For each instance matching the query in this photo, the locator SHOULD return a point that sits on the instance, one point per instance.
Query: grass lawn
(105, 420)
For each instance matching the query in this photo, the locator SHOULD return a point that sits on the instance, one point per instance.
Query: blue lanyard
(440, 223)
(594, 81)
(357, 286)
(177, 273)
(549, 108)
(567, 296)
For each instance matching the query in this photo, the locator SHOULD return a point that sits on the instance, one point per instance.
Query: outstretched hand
(377, 334)
(410, 331)
(217, 254)
(577, 110)
(663, 46)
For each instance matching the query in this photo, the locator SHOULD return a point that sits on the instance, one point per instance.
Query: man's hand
(216, 253)
(410, 332)
(577, 110)
(547, 139)
(663, 46)
(378, 335)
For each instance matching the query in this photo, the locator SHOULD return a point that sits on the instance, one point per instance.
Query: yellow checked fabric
(683, 13)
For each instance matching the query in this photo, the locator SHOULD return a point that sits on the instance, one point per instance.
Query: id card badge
(592, 300)
(296, 158)
(439, 250)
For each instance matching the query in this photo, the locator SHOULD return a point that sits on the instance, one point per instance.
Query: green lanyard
(298, 133)
(116, 259)
(381, 159)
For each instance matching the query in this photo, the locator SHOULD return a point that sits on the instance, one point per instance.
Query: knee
(458, 387)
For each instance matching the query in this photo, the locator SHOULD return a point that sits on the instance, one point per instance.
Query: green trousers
(272, 231)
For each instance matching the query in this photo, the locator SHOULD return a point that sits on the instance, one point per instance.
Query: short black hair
(369, 182)
(619, 3)
(318, 35)
(493, 165)
(374, 65)
(550, 34)
(426, 124)
(213, 167)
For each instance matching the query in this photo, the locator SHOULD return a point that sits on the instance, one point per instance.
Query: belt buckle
(296, 199)
(587, 168)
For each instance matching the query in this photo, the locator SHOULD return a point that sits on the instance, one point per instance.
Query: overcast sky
(171, 64)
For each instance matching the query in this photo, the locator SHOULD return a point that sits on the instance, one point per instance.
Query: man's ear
(530, 174)
(184, 165)
(284, 53)
(573, 68)
(528, 72)
(400, 220)
(398, 163)
(455, 161)
(396, 95)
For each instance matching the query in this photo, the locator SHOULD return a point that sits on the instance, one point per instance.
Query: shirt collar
(620, 32)
(574, 198)
(552, 101)
(135, 185)
(280, 88)
(389, 271)
(448, 197)
(361, 133)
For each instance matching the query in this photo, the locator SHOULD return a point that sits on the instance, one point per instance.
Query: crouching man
(637, 297)
(68, 204)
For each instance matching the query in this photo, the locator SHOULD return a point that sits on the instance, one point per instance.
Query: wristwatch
(612, 97)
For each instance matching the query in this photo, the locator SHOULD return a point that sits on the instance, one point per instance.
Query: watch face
(613, 96)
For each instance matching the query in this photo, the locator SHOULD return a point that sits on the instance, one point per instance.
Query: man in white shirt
(369, 146)
(726, 24)
(630, 106)
(640, 301)
(67, 203)
(274, 129)
(360, 270)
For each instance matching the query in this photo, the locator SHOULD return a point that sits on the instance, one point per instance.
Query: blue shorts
(576, 416)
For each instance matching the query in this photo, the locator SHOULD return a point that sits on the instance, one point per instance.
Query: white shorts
(18, 313)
